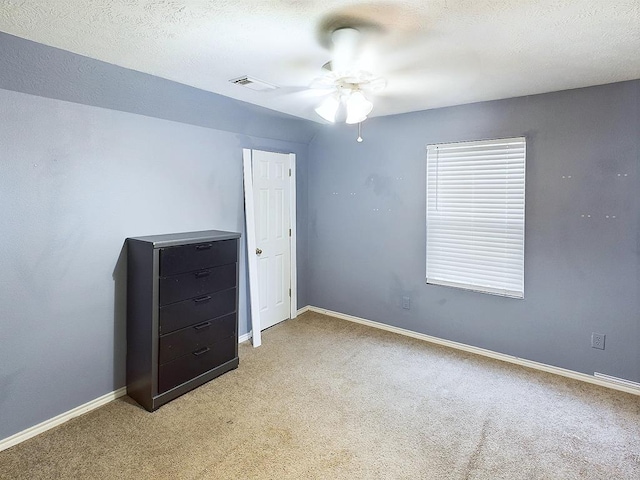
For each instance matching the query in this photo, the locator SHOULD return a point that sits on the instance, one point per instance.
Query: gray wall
(367, 227)
(91, 154)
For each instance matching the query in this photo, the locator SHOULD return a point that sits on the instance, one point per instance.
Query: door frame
(252, 262)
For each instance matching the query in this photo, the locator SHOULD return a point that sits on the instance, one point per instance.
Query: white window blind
(475, 215)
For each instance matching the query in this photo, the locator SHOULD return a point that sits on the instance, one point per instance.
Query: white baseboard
(245, 337)
(60, 419)
(598, 379)
(617, 380)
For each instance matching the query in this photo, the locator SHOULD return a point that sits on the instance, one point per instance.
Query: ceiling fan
(349, 85)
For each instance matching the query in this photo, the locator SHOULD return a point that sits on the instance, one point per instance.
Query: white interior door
(271, 198)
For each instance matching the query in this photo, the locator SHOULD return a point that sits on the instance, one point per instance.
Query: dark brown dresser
(182, 313)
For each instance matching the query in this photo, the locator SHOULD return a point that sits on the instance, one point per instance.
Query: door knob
(258, 251)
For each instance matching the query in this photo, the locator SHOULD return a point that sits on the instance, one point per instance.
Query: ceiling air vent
(253, 83)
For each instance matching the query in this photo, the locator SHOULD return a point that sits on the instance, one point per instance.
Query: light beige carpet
(324, 398)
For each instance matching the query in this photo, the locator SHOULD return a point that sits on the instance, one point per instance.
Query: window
(475, 215)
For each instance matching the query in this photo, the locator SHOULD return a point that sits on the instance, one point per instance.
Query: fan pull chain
(359, 139)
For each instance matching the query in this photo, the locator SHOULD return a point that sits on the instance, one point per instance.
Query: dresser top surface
(171, 239)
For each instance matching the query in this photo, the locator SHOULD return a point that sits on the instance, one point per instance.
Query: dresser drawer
(195, 363)
(190, 339)
(195, 284)
(196, 310)
(187, 258)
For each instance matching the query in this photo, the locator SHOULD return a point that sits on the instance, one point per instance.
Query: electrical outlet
(406, 303)
(597, 340)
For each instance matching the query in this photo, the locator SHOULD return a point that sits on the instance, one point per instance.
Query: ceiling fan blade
(323, 83)
(297, 98)
(302, 93)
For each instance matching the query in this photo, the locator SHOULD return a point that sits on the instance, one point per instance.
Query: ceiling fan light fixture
(345, 74)
(328, 109)
(358, 107)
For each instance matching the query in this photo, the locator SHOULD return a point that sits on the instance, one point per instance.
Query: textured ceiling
(433, 53)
